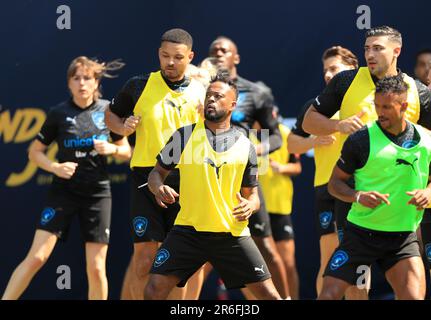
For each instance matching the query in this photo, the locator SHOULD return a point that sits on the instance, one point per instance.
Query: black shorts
(94, 215)
(281, 226)
(426, 235)
(362, 247)
(149, 221)
(236, 259)
(341, 212)
(259, 223)
(325, 211)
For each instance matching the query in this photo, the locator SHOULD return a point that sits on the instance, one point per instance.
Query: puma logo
(259, 269)
(71, 120)
(404, 162)
(212, 164)
(260, 226)
(173, 105)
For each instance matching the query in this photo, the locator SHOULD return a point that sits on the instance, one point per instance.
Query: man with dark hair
(389, 160)
(154, 105)
(179, 36)
(423, 66)
(218, 194)
(326, 152)
(351, 93)
(255, 104)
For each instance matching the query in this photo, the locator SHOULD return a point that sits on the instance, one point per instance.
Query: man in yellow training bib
(153, 106)
(218, 194)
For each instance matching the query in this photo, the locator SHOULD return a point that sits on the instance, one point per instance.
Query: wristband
(358, 197)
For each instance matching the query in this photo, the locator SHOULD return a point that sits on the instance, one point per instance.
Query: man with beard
(255, 104)
(218, 194)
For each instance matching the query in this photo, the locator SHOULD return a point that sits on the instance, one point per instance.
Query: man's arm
(163, 193)
(299, 141)
(119, 125)
(248, 203)
(339, 188)
(292, 168)
(119, 115)
(300, 145)
(421, 198)
(320, 125)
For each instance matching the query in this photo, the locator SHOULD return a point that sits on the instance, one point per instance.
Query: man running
(218, 194)
(154, 105)
(255, 104)
(389, 160)
(352, 94)
(326, 152)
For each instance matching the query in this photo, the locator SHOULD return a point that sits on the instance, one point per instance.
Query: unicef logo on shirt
(428, 251)
(140, 225)
(47, 215)
(161, 257)
(325, 219)
(338, 259)
(98, 118)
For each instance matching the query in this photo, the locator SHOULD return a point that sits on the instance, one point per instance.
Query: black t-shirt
(356, 149)
(329, 101)
(170, 155)
(254, 103)
(74, 129)
(297, 128)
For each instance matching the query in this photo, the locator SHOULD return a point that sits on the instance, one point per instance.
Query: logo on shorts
(98, 118)
(325, 218)
(428, 251)
(339, 258)
(161, 257)
(140, 225)
(47, 215)
(257, 269)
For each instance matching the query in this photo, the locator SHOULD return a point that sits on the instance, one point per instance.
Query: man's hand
(243, 210)
(323, 140)
(420, 198)
(165, 194)
(64, 170)
(275, 166)
(352, 124)
(104, 147)
(130, 125)
(371, 199)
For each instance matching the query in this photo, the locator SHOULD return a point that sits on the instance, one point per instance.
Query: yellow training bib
(209, 181)
(162, 111)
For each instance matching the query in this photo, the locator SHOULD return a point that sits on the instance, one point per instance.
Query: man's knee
(143, 258)
(333, 289)
(151, 290)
